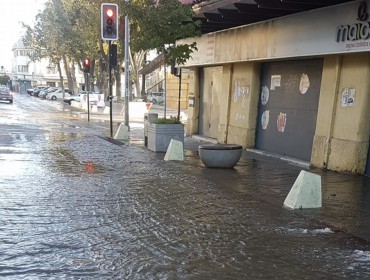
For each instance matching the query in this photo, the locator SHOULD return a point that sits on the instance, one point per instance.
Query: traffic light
(86, 64)
(113, 55)
(109, 21)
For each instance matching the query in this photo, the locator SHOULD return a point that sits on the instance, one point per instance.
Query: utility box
(148, 118)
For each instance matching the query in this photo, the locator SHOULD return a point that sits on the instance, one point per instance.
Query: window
(50, 70)
(22, 68)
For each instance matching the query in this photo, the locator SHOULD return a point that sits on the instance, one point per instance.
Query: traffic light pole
(110, 90)
(127, 73)
(88, 96)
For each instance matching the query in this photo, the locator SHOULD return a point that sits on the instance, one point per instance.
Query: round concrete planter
(220, 156)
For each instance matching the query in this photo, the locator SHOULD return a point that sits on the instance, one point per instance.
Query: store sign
(357, 31)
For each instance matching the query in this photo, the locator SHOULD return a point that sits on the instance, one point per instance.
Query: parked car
(43, 93)
(93, 98)
(30, 91)
(155, 97)
(37, 90)
(57, 94)
(6, 94)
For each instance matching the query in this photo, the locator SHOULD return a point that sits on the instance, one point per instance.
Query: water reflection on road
(74, 206)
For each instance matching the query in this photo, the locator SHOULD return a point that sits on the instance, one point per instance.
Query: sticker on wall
(265, 95)
(275, 81)
(265, 119)
(304, 84)
(348, 97)
(281, 122)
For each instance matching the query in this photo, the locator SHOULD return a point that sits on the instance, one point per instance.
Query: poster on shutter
(348, 97)
(281, 122)
(265, 119)
(275, 81)
(265, 95)
(304, 83)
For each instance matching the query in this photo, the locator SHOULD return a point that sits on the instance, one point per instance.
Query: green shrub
(166, 121)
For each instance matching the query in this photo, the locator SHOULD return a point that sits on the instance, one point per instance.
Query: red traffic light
(110, 13)
(86, 62)
(109, 21)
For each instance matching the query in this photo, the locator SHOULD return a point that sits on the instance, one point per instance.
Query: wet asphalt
(77, 205)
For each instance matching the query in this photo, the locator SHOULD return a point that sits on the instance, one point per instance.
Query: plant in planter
(161, 131)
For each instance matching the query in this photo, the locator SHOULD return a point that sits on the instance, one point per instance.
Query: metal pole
(127, 72)
(110, 89)
(178, 113)
(88, 97)
(164, 83)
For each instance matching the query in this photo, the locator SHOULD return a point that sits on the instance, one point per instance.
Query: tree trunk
(68, 72)
(103, 78)
(92, 77)
(74, 82)
(61, 76)
(142, 85)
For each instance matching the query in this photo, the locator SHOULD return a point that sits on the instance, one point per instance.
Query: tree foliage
(69, 31)
(156, 24)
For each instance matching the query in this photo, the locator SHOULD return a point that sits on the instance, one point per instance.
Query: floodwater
(75, 206)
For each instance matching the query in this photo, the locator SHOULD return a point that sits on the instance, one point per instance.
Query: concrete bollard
(175, 151)
(106, 110)
(75, 104)
(306, 192)
(84, 107)
(122, 133)
(94, 109)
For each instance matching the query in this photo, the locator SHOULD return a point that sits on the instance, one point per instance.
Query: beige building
(297, 86)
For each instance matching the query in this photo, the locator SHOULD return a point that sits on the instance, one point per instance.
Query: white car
(93, 98)
(58, 94)
(155, 97)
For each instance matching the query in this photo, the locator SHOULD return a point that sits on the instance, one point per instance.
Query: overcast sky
(12, 13)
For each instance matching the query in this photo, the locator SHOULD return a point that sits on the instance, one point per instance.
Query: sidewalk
(345, 198)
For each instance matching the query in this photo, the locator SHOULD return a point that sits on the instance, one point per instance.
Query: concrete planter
(220, 156)
(160, 135)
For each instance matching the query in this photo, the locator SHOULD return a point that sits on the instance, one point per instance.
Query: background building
(28, 74)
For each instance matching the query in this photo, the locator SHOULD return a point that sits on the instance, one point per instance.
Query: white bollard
(175, 151)
(106, 110)
(306, 192)
(94, 109)
(122, 132)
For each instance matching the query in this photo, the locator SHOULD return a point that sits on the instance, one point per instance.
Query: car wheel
(70, 101)
(10, 101)
(154, 101)
(53, 97)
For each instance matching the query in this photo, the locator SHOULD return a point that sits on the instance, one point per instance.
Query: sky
(12, 13)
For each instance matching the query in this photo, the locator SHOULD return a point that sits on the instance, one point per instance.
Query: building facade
(296, 86)
(28, 74)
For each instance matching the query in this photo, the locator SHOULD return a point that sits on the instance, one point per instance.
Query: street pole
(178, 113)
(127, 73)
(110, 89)
(88, 96)
(164, 83)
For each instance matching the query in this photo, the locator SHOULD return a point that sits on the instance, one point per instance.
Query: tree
(155, 24)
(4, 79)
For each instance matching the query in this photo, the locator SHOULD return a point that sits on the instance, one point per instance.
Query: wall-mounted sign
(357, 31)
(348, 97)
(304, 83)
(281, 122)
(265, 119)
(275, 81)
(191, 101)
(265, 95)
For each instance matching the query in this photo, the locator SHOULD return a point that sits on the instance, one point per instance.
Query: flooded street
(76, 206)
